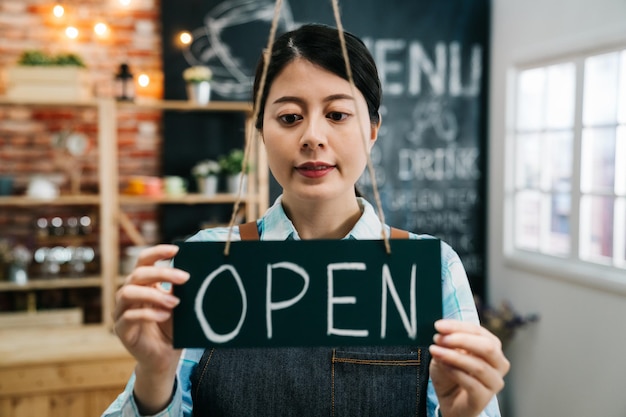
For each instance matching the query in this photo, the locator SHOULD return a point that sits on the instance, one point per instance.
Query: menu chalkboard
(432, 55)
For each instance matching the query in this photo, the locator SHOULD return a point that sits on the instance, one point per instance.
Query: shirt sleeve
(180, 405)
(458, 304)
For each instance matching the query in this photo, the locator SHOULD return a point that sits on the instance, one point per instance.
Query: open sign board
(308, 293)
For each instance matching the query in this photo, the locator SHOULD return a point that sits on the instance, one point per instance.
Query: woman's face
(313, 137)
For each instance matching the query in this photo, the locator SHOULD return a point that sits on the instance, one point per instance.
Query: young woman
(313, 135)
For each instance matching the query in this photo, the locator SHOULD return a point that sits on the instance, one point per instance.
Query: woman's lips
(314, 170)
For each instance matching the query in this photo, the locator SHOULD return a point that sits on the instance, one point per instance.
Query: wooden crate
(48, 83)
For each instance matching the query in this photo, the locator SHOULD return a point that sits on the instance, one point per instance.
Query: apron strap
(249, 231)
(399, 233)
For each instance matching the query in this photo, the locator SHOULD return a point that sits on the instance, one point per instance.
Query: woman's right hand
(143, 315)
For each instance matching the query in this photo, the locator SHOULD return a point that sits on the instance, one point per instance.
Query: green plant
(503, 321)
(232, 162)
(39, 58)
(197, 74)
(69, 60)
(205, 168)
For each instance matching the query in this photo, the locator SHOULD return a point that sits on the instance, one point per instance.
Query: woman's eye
(337, 116)
(289, 118)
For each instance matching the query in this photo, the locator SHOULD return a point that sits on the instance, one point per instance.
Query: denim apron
(298, 382)
(310, 381)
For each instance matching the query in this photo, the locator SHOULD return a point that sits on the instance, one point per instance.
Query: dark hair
(320, 45)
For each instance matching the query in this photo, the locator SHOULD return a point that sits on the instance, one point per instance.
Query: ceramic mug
(152, 186)
(175, 185)
(6, 184)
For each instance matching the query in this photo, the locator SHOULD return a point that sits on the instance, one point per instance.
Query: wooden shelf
(110, 204)
(183, 105)
(64, 200)
(48, 102)
(53, 283)
(183, 199)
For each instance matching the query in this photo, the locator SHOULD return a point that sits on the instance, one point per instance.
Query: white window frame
(570, 268)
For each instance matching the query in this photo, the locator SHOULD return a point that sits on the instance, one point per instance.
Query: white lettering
(410, 327)
(332, 300)
(438, 164)
(435, 71)
(204, 323)
(388, 67)
(476, 68)
(271, 306)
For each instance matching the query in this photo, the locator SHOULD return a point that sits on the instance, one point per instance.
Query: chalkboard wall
(433, 60)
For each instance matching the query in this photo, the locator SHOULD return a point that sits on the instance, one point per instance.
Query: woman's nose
(313, 136)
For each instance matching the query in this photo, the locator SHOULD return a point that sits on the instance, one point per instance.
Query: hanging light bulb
(125, 2)
(101, 29)
(71, 32)
(185, 38)
(143, 80)
(58, 11)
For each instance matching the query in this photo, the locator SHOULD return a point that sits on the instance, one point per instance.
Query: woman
(313, 134)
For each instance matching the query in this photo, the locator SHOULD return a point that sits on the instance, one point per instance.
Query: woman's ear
(374, 128)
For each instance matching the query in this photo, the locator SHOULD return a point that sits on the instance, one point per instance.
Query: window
(568, 136)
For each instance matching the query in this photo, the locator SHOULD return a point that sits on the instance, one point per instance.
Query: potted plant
(198, 79)
(206, 173)
(42, 76)
(232, 167)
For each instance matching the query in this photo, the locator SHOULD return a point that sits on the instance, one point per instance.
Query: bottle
(124, 84)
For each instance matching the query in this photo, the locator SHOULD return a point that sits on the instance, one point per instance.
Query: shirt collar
(277, 226)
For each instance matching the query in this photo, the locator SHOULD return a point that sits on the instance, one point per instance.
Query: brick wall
(27, 133)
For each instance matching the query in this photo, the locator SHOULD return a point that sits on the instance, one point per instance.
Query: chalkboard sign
(274, 293)
(433, 57)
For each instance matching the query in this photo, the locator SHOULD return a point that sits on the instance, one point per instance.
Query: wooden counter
(61, 371)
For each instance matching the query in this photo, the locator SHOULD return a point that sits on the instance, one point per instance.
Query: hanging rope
(370, 166)
(252, 133)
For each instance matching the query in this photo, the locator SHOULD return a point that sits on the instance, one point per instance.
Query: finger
(152, 275)
(126, 325)
(156, 253)
(445, 326)
(484, 346)
(146, 314)
(448, 380)
(474, 366)
(133, 296)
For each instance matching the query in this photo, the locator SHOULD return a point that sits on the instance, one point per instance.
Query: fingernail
(181, 275)
(162, 315)
(172, 301)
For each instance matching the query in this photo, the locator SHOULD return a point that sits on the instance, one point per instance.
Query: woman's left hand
(467, 367)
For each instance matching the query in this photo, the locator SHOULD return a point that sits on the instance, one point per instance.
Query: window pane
(620, 232)
(558, 166)
(621, 89)
(600, 93)
(560, 96)
(596, 229)
(598, 160)
(620, 161)
(556, 239)
(528, 162)
(530, 99)
(527, 217)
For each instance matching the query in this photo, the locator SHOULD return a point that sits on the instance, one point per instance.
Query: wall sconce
(124, 84)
